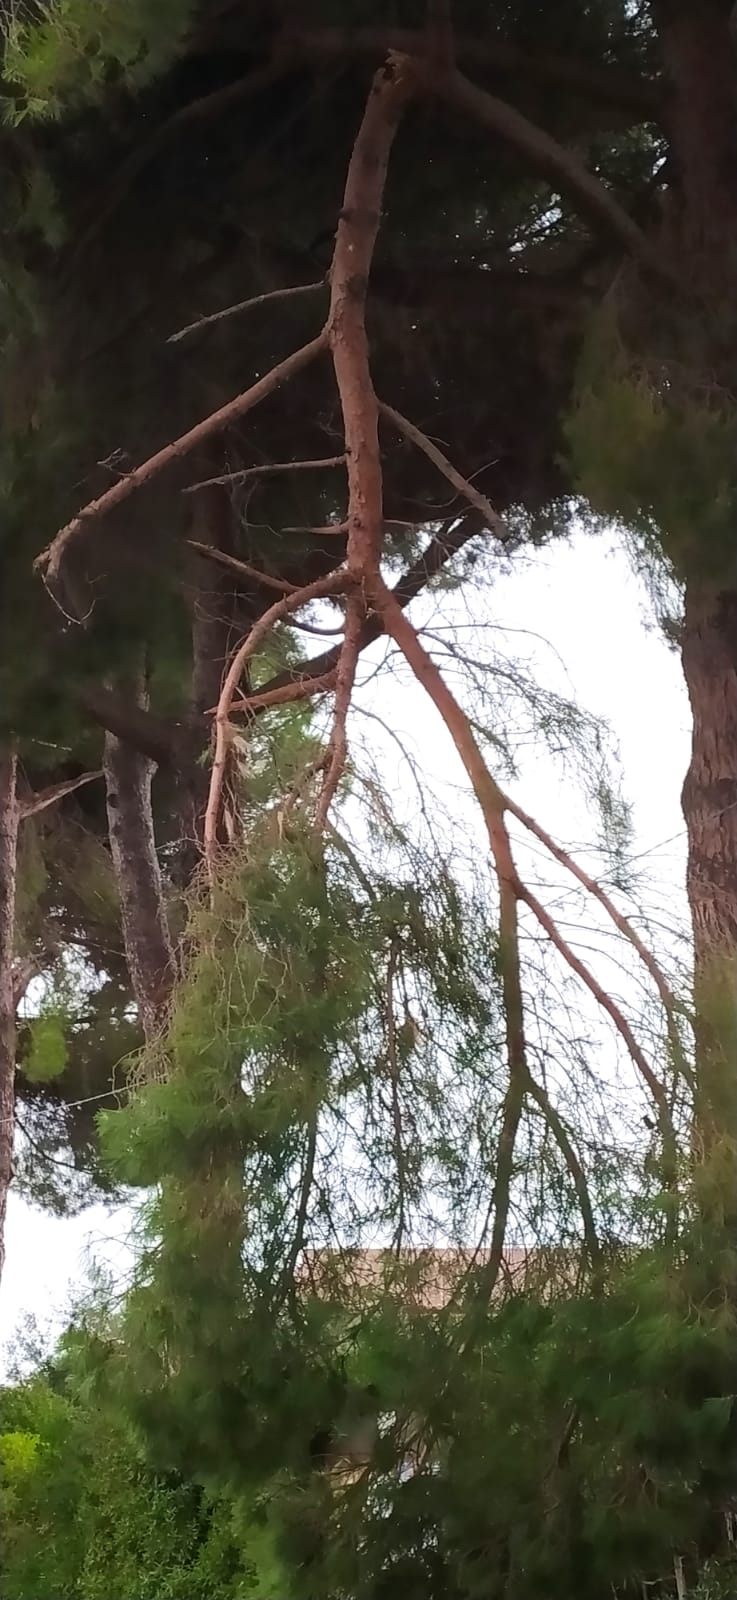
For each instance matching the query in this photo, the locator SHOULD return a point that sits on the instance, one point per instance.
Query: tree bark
(698, 54)
(9, 819)
(709, 653)
(148, 945)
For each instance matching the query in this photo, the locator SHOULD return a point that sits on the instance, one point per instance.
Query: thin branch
(332, 584)
(468, 490)
(241, 568)
(267, 469)
(617, 1017)
(301, 689)
(49, 561)
(559, 1131)
(672, 1006)
(244, 305)
(560, 166)
(31, 804)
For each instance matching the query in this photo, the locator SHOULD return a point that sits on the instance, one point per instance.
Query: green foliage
(86, 1517)
(77, 49)
(653, 445)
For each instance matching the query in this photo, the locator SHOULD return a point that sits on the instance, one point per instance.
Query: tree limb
(242, 568)
(473, 495)
(266, 470)
(244, 305)
(30, 805)
(49, 561)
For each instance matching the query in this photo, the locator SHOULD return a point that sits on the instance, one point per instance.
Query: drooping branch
(474, 496)
(560, 1133)
(48, 563)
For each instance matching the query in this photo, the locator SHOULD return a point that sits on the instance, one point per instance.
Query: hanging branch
(560, 1133)
(393, 1065)
(48, 563)
(9, 819)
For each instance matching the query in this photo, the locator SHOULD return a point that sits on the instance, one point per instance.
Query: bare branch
(332, 530)
(31, 804)
(244, 305)
(266, 470)
(9, 818)
(241, 568)
(469, 492)
(49, 561)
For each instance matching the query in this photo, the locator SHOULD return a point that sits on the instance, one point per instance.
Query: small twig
(468, 490)
(49, 561)
(266, 470)
(244, 305)
(241, 567)
(332, 584)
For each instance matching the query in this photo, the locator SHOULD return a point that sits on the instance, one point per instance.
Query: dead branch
(9, 819)
(469, 492)
(31, 804)
(49, 561)
(241, 568)
(267, 469)
(332, 584)
(244, 305)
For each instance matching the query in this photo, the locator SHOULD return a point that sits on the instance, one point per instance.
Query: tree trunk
(9, 818)
(146, 935)
(709, 654)
(698, 53)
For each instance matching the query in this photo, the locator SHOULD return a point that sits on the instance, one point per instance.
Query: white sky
(581, 597)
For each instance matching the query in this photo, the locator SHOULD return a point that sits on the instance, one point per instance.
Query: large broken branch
(50, 559)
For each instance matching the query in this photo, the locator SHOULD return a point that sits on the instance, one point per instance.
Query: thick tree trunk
(9, 818)
(146, 935)
(709, 654)
(698, 53)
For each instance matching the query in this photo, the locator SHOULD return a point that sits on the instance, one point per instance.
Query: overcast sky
(604, 648)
